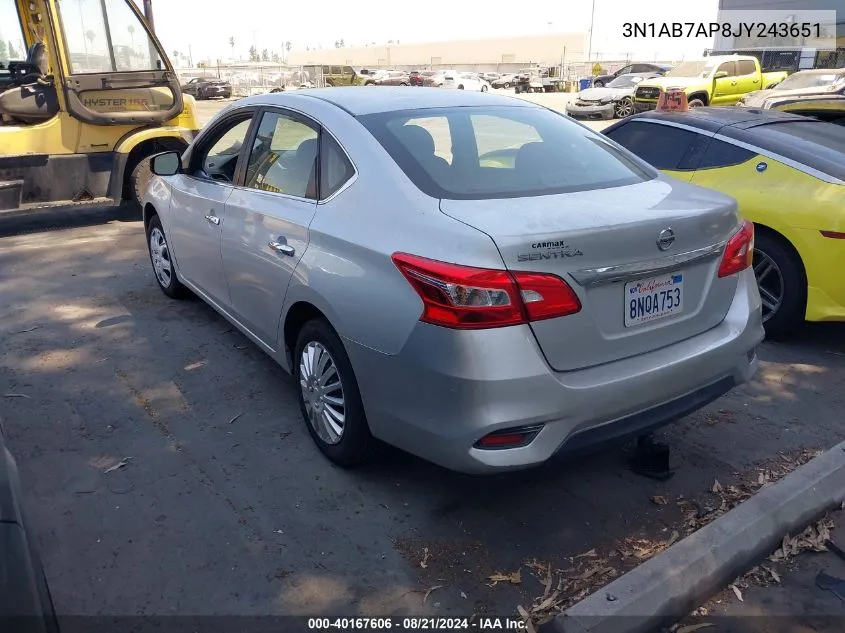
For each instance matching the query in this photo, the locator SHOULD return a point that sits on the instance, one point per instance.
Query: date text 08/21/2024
(417, 624)
(760, 30)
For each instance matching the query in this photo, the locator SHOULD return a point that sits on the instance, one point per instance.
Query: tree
(336, 44)
(91, 35)
(3, 51)
(13, 52)
(265, 55)
(342, 44)
(253, 54)
(276, 57)
(232, 46)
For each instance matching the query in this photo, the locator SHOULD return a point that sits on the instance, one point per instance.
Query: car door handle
(282, 247)
(213, 219)
(754, 81)
(733, 83)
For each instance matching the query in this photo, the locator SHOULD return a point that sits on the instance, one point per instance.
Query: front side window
(106, 36)
(500, 152)
(12, 46)
(220, 159)
(283, 158)
(727, 67)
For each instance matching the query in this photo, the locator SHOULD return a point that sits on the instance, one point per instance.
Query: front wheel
(483, 88)
(162, 261)
(783, 289)
(403, 84)
(696, 103)
(460, 87)
(598, 84)
(624, 108)
(329, 397)
(506, 85)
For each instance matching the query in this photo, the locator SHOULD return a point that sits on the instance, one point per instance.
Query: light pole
(590, 44)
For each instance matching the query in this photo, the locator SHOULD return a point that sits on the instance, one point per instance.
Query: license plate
(647, 300)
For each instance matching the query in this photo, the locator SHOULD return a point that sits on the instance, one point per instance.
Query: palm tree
(90, 36)
(131, 29)
(287, 49)
(232, 44)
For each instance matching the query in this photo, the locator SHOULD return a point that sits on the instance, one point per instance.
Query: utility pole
(148, 13)
(592, 20)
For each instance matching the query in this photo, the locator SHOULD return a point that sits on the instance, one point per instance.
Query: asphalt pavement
(167, 469)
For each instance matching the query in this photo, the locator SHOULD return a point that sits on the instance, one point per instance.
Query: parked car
(490, 76)
(433, 78)
(416, 78)
(788, 175)
(390, 78)
(25, 602)
(505, 81)
(464, 81)
(480, 327)
(804, 82)
(714, 80)
(638, 68)
(203, 88)
(613, 101)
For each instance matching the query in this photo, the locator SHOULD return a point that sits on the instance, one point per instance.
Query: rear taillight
(739, 252)
(463, 297)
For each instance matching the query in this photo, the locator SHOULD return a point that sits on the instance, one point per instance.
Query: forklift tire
(139, 179)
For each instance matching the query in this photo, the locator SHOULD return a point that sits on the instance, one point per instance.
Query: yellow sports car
(787, 173)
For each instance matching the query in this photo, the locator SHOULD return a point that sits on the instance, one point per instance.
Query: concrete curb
(669, 586)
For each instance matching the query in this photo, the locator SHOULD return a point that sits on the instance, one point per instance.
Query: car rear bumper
(447, 389)
(591, 111)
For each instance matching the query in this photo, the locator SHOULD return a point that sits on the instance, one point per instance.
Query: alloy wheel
(770, 283)
(160, 253)
(322, 392)
(624, 108)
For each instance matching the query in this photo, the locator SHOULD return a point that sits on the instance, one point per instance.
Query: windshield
(700, 68)
(12, 47)
(809, 80)
(476, 153)
(625, 81)
(106, 36)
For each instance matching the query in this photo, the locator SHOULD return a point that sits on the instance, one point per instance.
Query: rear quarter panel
(797, 206)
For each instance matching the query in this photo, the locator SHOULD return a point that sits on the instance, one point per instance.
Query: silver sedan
(471, 278)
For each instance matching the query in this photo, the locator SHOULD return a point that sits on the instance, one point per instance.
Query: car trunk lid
(604, 244)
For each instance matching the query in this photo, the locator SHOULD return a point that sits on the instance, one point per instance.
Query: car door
(267, 218)
(197, 207)
(747, 77)
(674, 151)
(725, 88)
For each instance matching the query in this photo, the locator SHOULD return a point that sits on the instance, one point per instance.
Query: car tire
(696, 103)
(623, 108)
(159, 249)
(403, 84)
(598, 84)
(780, 277)
(461, 87)
(354, 445)
(483, 88)
(506, 85)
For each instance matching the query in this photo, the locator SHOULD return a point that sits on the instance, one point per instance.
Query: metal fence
(789, 59)
(259, 78)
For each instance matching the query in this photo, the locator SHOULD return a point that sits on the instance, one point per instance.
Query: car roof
(745, 125)
(358, 101)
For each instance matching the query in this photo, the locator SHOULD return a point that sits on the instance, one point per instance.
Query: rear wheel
(483, 88)
(696, 103)
(506, 85)
(461, 87)
(329, 397)
(783, 289)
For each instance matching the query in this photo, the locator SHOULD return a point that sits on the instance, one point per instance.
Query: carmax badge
(549, 250)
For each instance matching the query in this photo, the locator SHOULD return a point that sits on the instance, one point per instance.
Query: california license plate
(651, 299)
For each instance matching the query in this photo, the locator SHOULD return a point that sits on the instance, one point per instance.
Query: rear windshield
(809, 80)
(476, 153)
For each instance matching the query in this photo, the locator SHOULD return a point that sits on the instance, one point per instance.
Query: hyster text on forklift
(87, 96)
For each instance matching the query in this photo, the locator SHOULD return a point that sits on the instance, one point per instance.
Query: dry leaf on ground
(717, 487)
(431, 591)
(514, 578)
(659, 500)
(588, 554)
(123, 462)
(424, 561)
(737, 593)
(16, 395)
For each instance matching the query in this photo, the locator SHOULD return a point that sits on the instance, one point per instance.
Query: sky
(205, 26)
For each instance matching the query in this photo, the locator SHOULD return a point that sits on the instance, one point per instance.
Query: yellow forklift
(87, 96)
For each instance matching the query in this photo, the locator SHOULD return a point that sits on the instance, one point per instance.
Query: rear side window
(335, 168)
(721, 154)
(662, 146)
(816, 144)
(745, 67)
(472, 153)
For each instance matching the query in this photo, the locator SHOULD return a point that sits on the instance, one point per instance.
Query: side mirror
(166, 164)
(721, 74)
